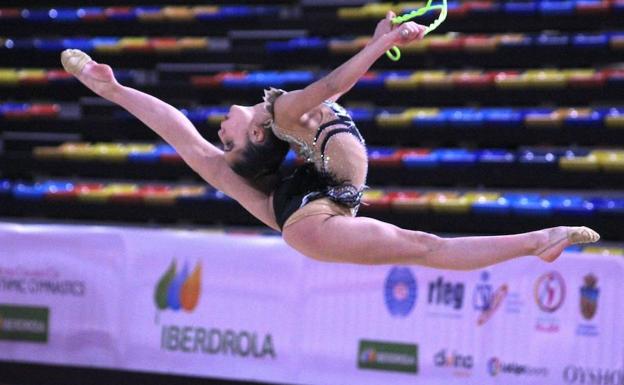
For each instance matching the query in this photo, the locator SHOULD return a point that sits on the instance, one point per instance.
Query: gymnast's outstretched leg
(368, 241)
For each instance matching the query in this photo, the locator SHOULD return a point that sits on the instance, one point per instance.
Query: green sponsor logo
(24, 323)
(389, 356)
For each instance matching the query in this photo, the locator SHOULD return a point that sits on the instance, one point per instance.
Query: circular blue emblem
(400, 291)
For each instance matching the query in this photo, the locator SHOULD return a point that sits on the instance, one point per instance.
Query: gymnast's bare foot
(99, 78)
(558, 238)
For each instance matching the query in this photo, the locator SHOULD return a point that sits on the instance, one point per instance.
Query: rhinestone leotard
(315, 179)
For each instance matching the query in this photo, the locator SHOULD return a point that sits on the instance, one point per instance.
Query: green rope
(394, 53)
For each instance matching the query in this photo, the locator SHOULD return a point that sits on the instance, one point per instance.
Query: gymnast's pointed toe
(582, 235)
(74, 60)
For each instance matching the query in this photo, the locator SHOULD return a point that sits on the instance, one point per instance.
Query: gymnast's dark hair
(261, 161)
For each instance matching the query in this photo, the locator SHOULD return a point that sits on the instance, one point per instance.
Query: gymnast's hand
(384, 26)
(406, 33)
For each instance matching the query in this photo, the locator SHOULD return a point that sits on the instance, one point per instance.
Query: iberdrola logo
(179, 290)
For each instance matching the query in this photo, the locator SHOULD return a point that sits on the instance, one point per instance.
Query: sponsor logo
(181, 290)
(486, 300)
(495, 367)
(400, 291)
(39, 281)
(24, 323)
(178, 290)
(589, 297)
(459, 363)
(446, 297)
(589, 306)
(191, 339)
(550, 291)
(388, 356)
(593, 376)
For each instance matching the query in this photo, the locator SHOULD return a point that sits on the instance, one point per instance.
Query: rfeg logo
(179, 290)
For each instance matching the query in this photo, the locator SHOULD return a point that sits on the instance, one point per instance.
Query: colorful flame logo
(494, 366)
(369, 355)
(179, 290)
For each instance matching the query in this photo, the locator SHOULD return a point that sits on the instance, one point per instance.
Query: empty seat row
(175, 13)
(401, 80)
(470, 117)
(456, 42)
(588, 160)
(109, 44)
(96, 192)
(452, 202)
(451, 42)
(110, 152)
(29, 110)
(459, 9)
(516, 203)
(13, 77)
(502, 117)
(588, 78)
(142, 14)
(594, 160)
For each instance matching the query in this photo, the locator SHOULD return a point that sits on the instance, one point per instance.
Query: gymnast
(315, 206)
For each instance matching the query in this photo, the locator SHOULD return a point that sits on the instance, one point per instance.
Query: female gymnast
(314, 207)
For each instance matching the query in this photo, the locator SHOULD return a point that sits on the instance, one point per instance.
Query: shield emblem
(589, 297)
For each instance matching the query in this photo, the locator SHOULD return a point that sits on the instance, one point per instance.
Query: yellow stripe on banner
(132, 43)
(610, 160)
(449, 202)
(178, 13)
(579, 163)
(511, 81)
(433, 79)
(33, 74)
(8, 77)
(194, 43)
(614, 121)
(391, 120)
(549, 78)
(205, 10)
(74, 151)
(46, 152)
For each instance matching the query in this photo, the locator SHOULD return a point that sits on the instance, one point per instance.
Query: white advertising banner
(521, 322)
(59, 290)
(211, 304)
(249, 307)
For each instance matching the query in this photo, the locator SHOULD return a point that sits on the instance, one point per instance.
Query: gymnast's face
(241, 125)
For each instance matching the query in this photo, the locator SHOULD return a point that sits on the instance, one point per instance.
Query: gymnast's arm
(291, 107)
(383, 26)
(203, 157)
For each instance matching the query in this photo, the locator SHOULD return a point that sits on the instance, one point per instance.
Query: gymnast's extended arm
(290, 107)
